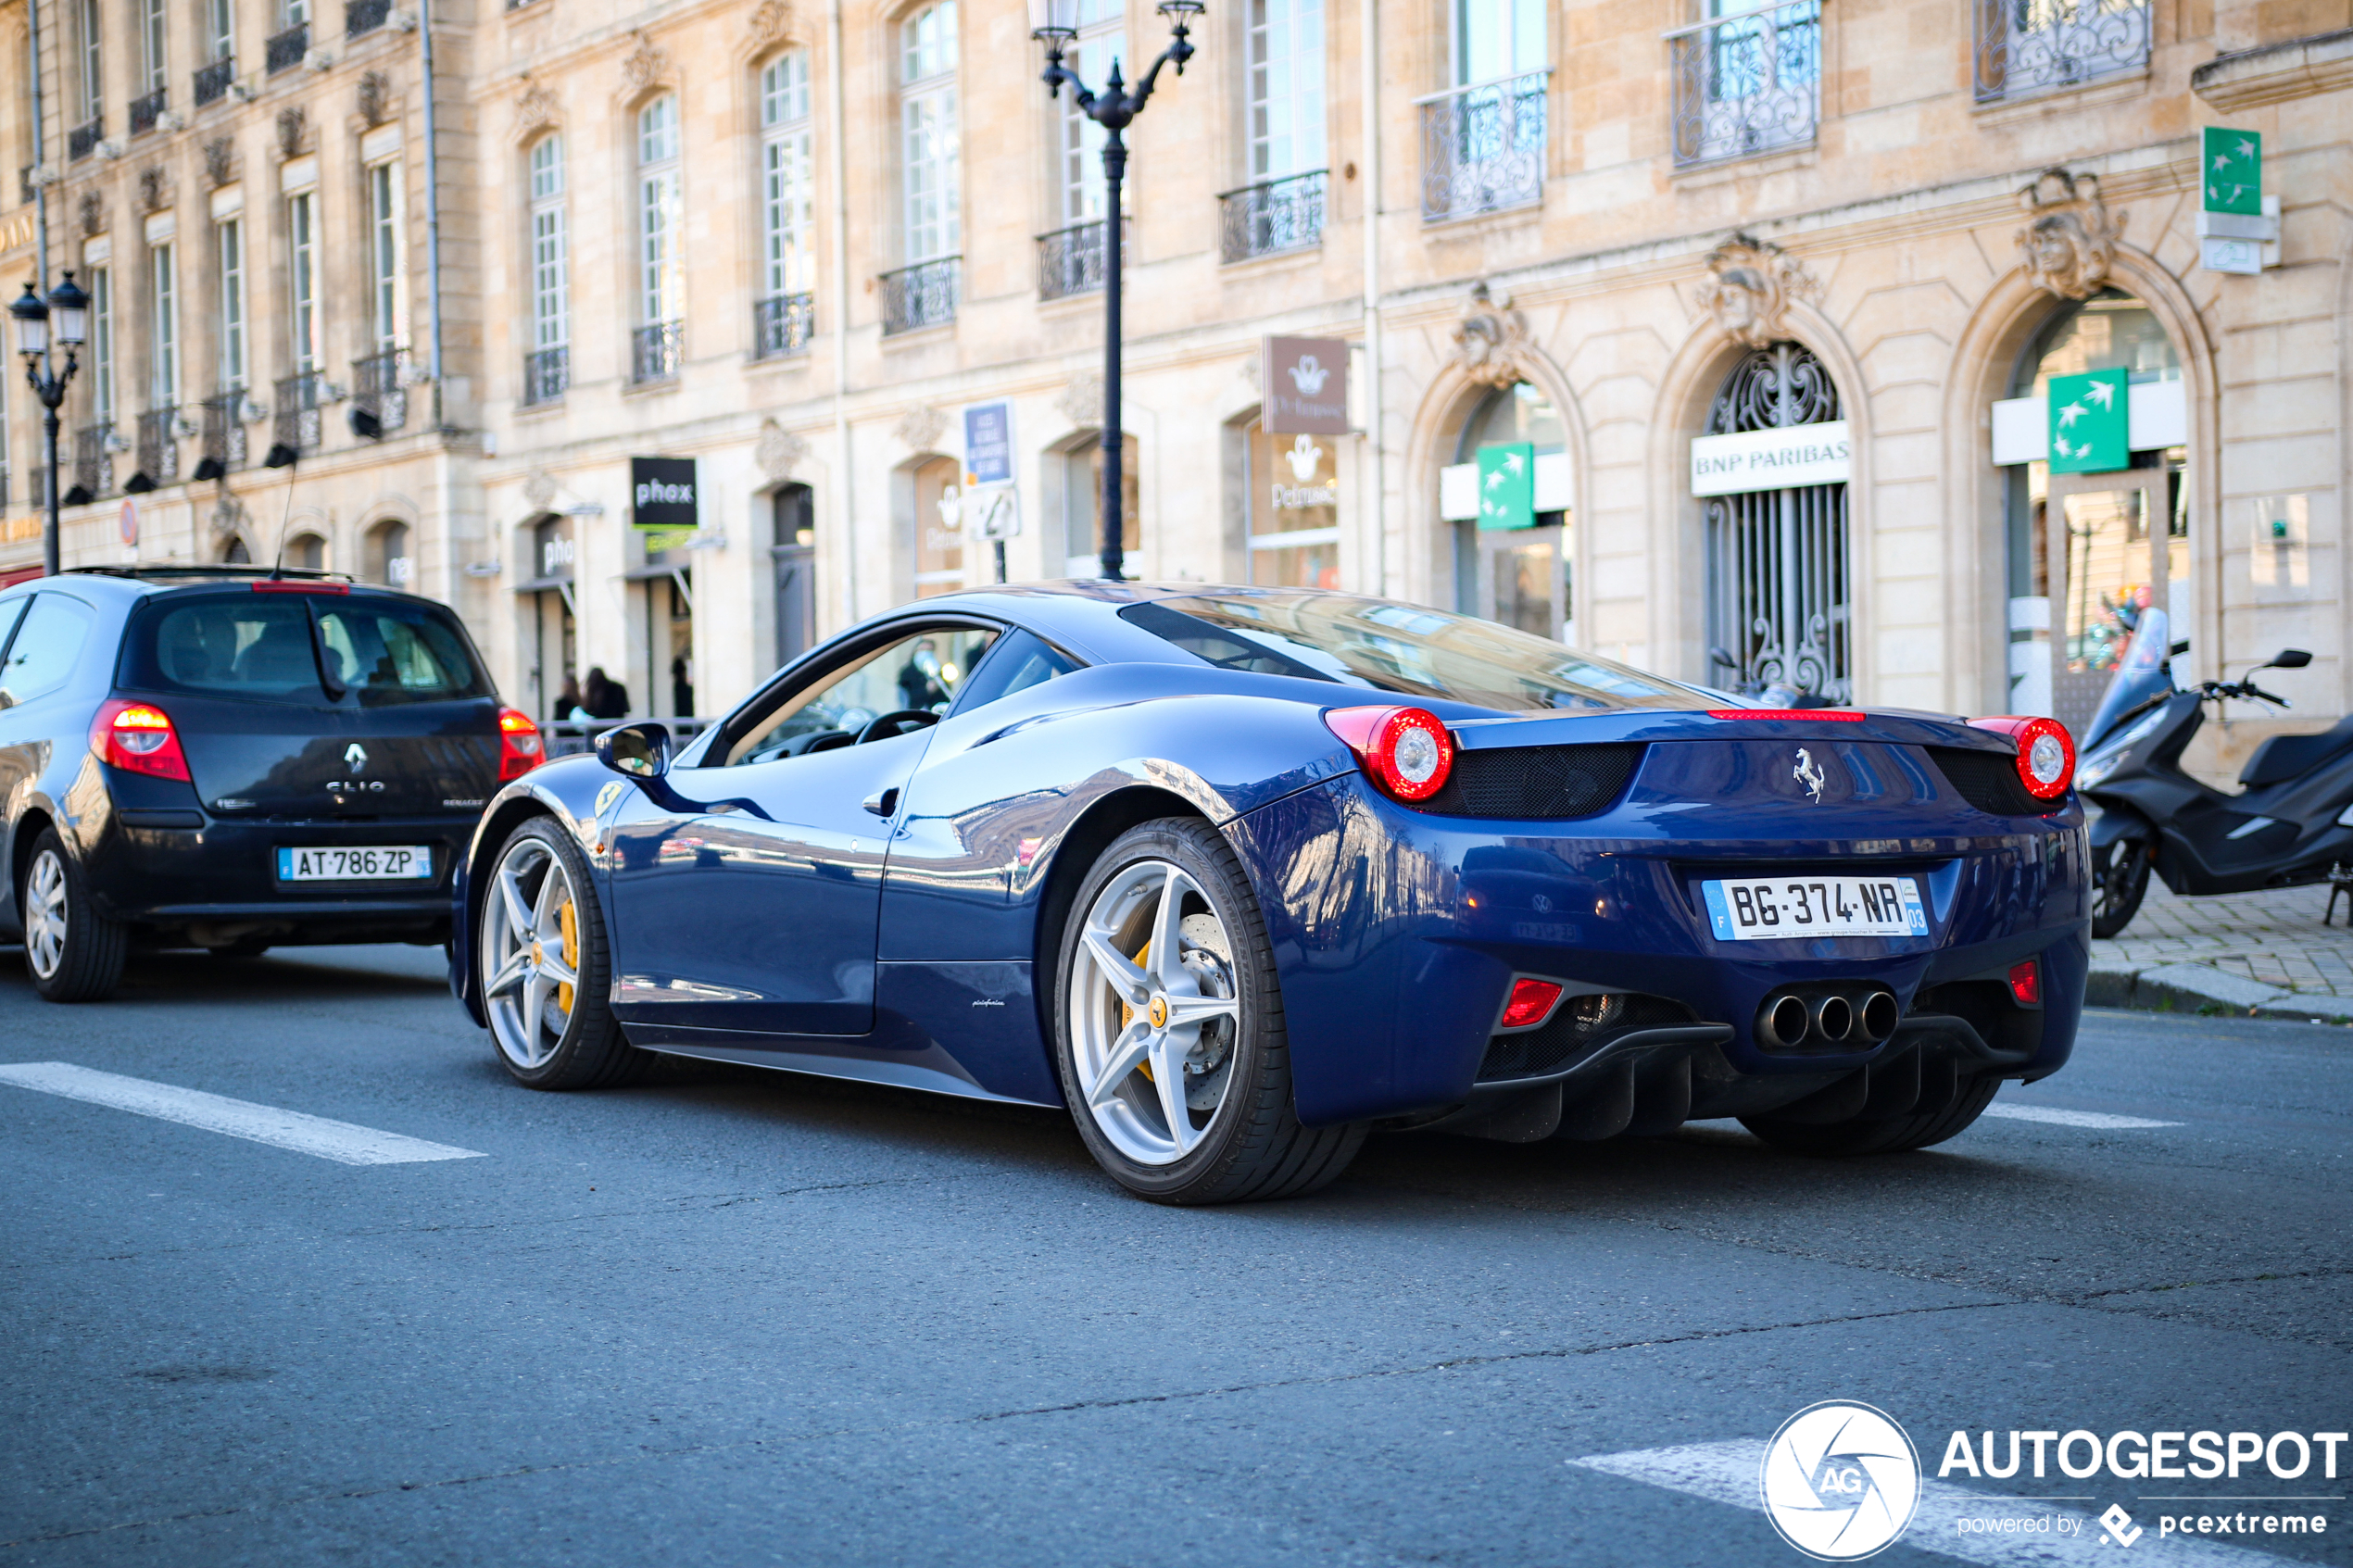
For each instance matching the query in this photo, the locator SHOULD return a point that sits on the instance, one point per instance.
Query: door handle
(882, 802)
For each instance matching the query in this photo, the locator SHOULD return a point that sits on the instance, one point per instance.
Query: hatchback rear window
(275, 647)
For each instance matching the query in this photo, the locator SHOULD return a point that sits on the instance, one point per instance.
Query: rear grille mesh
(1566, 1034)
(1540, 782)
(1989, 780)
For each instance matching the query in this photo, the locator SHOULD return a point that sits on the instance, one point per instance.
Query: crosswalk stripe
(2057, 1118)
(340, 1141)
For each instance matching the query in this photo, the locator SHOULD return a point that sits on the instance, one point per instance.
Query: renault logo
(1807, 773)
(355, 756)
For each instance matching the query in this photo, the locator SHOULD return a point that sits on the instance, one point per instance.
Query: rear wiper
(329, 682)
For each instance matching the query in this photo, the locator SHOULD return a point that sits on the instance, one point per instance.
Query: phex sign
(1305, 383)
(662, 492)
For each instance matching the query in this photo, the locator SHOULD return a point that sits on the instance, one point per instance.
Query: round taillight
(1406, 750)
(2045, 753)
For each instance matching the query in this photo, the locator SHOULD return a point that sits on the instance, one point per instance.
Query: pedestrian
(603, 696)
(567, 700)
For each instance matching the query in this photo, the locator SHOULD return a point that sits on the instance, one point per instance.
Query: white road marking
(2058, 1118)
(339, 1141)
(1727, 1473)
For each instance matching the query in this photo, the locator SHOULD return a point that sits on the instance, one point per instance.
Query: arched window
(547, 359)
(388, 559)
(236, 554)
(550, 633)
(662, 271)
(1081, 475)
(307, 551)
(930, 154)
(940, 544)
(1512, 527)
(1779, 593)
(1293, 486)
(787, 255)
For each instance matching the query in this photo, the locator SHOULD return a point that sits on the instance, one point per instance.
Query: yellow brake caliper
(570, 922)
(1127, 1014)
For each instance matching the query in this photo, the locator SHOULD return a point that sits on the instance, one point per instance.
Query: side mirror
(637, 751)
(2290, 658)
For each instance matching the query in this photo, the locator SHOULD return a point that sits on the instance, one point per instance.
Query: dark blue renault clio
(231, 760)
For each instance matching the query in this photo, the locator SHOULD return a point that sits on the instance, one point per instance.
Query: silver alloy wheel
(1155, 1013)
(45, 914)
(530, 953)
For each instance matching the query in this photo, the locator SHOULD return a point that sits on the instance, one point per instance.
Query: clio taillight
(138, 738)
(519, 748)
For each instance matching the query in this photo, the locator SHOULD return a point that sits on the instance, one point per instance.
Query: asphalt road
(742, 1318)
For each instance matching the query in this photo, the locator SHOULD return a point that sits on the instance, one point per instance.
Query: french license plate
(1778, 909)
(405, 863)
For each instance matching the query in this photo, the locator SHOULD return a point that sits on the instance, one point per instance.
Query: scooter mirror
(2290, 658)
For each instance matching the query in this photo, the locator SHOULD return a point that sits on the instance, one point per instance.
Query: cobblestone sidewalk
(2260, 952)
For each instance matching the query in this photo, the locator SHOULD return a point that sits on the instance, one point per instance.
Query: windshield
(1401, 648)
(262, 648)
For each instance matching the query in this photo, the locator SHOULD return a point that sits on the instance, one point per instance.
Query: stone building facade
(797, 243)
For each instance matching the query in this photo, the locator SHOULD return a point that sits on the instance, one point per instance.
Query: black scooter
(2290, 824)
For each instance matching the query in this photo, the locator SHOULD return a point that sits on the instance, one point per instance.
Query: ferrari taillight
(1405, 750)
(2045, 753)
(138, 738)
(519, 748)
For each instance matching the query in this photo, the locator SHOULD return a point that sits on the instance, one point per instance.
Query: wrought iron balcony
(224, 429)
(378, 385)
(300, 399)
(94, 457)
(1747, 83)
(82, 139)
(921, 295)
(364, 16)
(546, 373)
(656, 352)
(159, 445)
(782, 325)
(146, 110)
(212, 81)
(1483, 147)
(1280, 215)
(1071, 260)
(285, 50)
(2039, 45)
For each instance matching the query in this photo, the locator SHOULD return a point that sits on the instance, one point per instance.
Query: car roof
(1082, 613)
(128, 584)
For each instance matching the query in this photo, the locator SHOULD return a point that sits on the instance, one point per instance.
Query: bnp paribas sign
(1771, 459)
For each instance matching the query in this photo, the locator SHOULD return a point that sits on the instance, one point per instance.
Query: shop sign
(1305, 380)
(2233, 171)
(988, 444)
(1507, 485)
(2088, 416)
(663, 502)
(1299, 484)
(1771, 459)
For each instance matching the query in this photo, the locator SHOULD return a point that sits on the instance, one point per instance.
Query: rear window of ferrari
(272, 647)
(1401, 649)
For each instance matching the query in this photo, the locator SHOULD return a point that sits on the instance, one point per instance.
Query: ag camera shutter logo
(1840, 1481)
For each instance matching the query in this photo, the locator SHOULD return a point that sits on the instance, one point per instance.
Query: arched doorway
(1075, 499)
(937, 525)
(551, 625)
(388, 559)
(1780, 585)
(1512, 561)
(792, 555)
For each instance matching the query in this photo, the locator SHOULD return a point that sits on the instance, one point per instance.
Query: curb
(2193, 989)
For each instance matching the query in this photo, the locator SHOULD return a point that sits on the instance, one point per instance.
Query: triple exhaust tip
(1857, 1016)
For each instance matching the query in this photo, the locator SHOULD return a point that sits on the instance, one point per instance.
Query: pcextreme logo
(1840, 1481)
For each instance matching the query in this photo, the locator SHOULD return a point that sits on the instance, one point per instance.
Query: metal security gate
(1779, 589)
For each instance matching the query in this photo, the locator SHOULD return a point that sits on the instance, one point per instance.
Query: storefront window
(939, 544)
(1082, 475)
(1293, 484)
(1519, 576)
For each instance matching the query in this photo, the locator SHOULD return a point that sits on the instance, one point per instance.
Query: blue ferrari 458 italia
(1236, 874)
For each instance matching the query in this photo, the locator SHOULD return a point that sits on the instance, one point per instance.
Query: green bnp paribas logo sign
(2090, 423)
(2231, 175)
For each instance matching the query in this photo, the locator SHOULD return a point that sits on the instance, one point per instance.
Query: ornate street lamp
(64, 317)
(1054, 23)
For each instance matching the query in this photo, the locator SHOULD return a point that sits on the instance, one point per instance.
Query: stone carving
(2069, 239)
(780, 451)
(648, 64)
(156, 189)
(93, 213)
(1492, 346)
(1750, 285)
(294, 128)
(534, 111)
(219, 162)
(539, 490)
(1082, 401)
(375, 97)
(772, 22)
(921, 427)
(227, 517)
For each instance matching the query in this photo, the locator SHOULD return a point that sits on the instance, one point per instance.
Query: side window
(8, 613)
(46, 646)
(1016, 664)
(921, 674)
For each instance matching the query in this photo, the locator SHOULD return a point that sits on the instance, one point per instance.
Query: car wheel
(1169, 1025)
(544, 967)
(1893, 1135)
(75, 953)
(2120, 881)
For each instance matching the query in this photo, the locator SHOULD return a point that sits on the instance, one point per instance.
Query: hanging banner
(1305, 383)
(1771, 459)
(2088, 418)
(1507, 485)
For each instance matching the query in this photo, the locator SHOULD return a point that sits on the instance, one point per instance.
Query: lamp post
(34, 331)
(1055, 23)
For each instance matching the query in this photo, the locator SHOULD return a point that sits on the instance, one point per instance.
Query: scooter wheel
(2120, 881)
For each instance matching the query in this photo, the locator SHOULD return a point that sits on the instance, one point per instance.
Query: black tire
(2120, 881)
(1894, 1134)
(589, 1051)
(75, 953)
(1253, 1147)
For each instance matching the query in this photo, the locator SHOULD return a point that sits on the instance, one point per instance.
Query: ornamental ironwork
(656, 352)
(212, 81)
(146, 109)
(94, 457)
(300, 399)
(1483, 147)
(546, 373)
(2041, 45)
(364, 16)
(224, 430)
(1779, 593)
(921, 295)
(782, 325)
(1273, 216)
(83, 138)
(1748, 84)
(379, 384)
(285, 50)
(1071, 260)
(159, 445)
